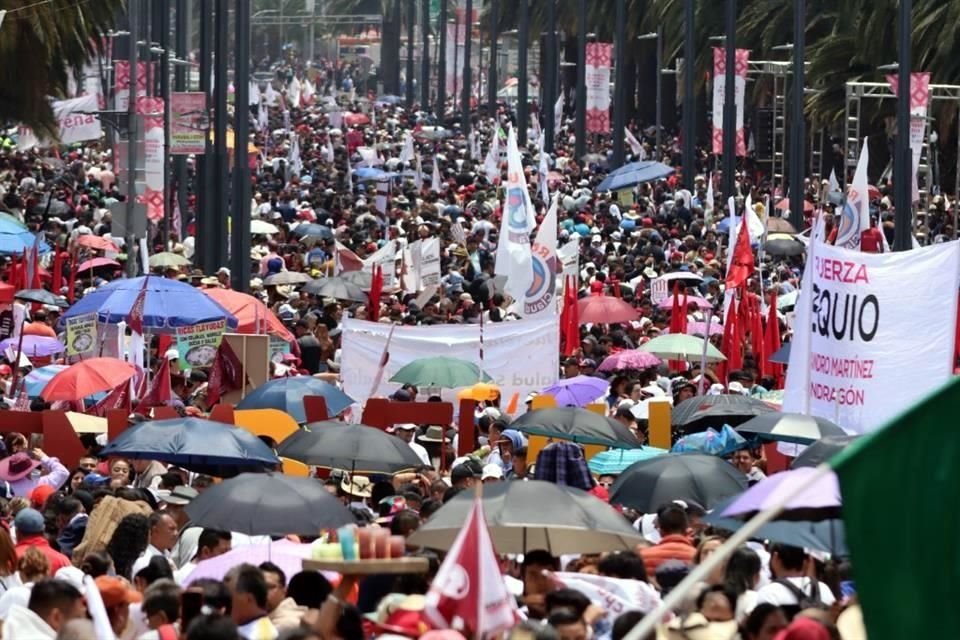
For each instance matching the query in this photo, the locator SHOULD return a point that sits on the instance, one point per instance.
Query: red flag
(24, 274)
(135, 317)
(741, 267)
(35, 281)
(160, 392)
(376, 288)
(730, 346)
(468, 592)
(757, 345)
(570, 318)
(678, 322)
(226, 374)
(57, 276)
(346, 260)
(72, 280)
(771, 341)
(119, 398)
(13, 276)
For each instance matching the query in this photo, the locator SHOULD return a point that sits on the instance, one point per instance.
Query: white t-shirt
(779, 595)
(19, 595)
(421, 452)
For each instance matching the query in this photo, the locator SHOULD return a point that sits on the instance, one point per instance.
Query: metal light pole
(133, 138)
(619, 88)
(492, 73)
(689, 102)
(903, 159)
(411, 36)
(580, 147)
(206, 163)
(180, 84)
(658, 36)
(729, 104)
(798, 127)
(442, 64)
(523, 41)
(240, 235)
(467, 75)
(425, 56)
(218, 212)
(550, 71)
(164, 33)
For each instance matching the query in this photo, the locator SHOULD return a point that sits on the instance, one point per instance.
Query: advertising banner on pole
(121, 84)
(187, 118)
(599, 55)
(719, 84)
(919, 101)
(856, 333)
(153, 155)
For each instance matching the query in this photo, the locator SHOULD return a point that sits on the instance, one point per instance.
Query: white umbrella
(259, 227)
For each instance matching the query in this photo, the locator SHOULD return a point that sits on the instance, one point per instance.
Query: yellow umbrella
(481, 392)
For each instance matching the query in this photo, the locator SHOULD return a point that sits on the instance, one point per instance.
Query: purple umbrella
(818, 498)
(578, 391)
(702, 303)
(34, 346)
(287, 555)
(632, 359)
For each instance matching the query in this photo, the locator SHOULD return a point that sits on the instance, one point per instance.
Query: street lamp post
(549, 79)
(180, 84)
(903, 159)
(442, 65)
(620, 91)
(206, 163)
(798, 126)
(523, 40)
(658, 36)
(425, 56)
(729, 103)
(240, 207)
(580, 147)
(467, 75)
(411, 35)
(492, 73)
(689, 102)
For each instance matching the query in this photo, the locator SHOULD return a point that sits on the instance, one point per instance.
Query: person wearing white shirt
(790, 565)
(407, 432)
(163, 536)
(211, 544)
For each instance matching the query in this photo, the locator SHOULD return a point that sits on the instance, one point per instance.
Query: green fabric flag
(901, 490)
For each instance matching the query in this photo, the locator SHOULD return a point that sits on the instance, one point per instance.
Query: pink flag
(468, 592)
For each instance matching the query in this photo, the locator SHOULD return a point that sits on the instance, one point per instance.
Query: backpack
(804, 600)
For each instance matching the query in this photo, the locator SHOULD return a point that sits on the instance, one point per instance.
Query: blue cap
(94, 478)
(28, 522)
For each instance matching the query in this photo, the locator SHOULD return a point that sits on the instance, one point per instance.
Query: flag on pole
(514, 258)
(418, 176)
(535, 125)
(558, 113)
(262, 121)
(832, 184)
(710, 200)
(407, 153)
(855, 215)
(384, 359)
(435, 182)
(541, 296)
(635, 147)
(544, 170)
(909, 462)
(468, 593)
(160, 392)
(135, 318)
(491, 164)
(294, 164)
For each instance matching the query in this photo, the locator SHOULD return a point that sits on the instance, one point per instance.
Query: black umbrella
(321, 231)
(789, 427)
(269, 504)
(354, 447)
(577, 425)
(824, 535)
(363, 279)
(649, 484)
(41, 296)
(782, 355)
(697, 413)
(821, 451)
(784, 247)
(337, 288)
(523, 516)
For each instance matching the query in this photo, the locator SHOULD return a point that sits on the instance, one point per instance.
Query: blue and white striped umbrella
(35, 381)
(614, 461)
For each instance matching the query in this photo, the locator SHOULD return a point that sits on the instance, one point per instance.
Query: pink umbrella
(700, 328)
(633, 359)
(605, 310)
(95, 263)
(287, 555)
(702, 303)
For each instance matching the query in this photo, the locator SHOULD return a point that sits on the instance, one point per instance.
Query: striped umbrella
(612, 462)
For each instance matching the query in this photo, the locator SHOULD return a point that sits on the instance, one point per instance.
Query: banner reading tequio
(597, 75)
(197, 344)
(874, 333)
(719, 83)
(520, 356)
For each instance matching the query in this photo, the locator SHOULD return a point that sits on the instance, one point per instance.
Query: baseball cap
(466, 469)
(28, 521)
(492, 471)
(114, 592)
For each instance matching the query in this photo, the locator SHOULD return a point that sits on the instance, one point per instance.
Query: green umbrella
(440, 371)
(678, 346)
(168, 259)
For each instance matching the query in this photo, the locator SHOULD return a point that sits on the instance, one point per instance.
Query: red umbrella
(784, 205)
(605, 310)
(95, 263)
(97, 242)
(356, 119)
(86, 378)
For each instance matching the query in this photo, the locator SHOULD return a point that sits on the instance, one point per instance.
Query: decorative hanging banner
(856, 333)
(197, 344)
(719, 84)
(121, 85)
(599, 55)
(153, 155)
(919, 101)
(81, 335)
(187, 118)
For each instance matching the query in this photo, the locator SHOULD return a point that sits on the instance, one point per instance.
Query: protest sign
(520, 356)
(860, 354)
(81, 335)
(197, 344)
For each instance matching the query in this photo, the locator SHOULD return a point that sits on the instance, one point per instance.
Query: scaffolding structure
(857, 92)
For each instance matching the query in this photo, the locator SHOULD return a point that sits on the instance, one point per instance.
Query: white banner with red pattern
(153, 155)
(919, 101)
(599, 55)
(719, 84)
(121, 84)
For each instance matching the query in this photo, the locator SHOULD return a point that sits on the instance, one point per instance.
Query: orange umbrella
(97, 242)
(253, 316)
(86, 378)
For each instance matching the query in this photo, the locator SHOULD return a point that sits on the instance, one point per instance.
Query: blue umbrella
(612, 462)
(12, 242)
(35, 381)
(389, 99)
(371, 173)
(286, 394)
(195, 444)
(169, 304)
(712, 442)
(630, 175)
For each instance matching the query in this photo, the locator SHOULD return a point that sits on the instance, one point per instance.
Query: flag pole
(703, 355)
(703, 570)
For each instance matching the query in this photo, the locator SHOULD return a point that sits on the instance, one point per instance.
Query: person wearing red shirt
(29, 526)
(674, 543)
(871, 240)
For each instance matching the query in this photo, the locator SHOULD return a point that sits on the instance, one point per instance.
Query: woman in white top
(741, 576)
(8, 562)
(33, 566)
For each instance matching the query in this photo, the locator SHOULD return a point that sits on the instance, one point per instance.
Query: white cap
(406, 426)
(493, 471)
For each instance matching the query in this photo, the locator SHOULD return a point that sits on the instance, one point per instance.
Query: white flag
(710, 201)
(855, 216)
(536, 125)
(833, 185)
(459, 234)
(294, 164)
(418, 176)
(306, 96)
(514, 259)
(435, 182)
(293, 94)
(491, 164)
(635, 145)
(544, 170)
(406, 154)
(541, 298)
(558, 114)
(328, 152)
(262, 121)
